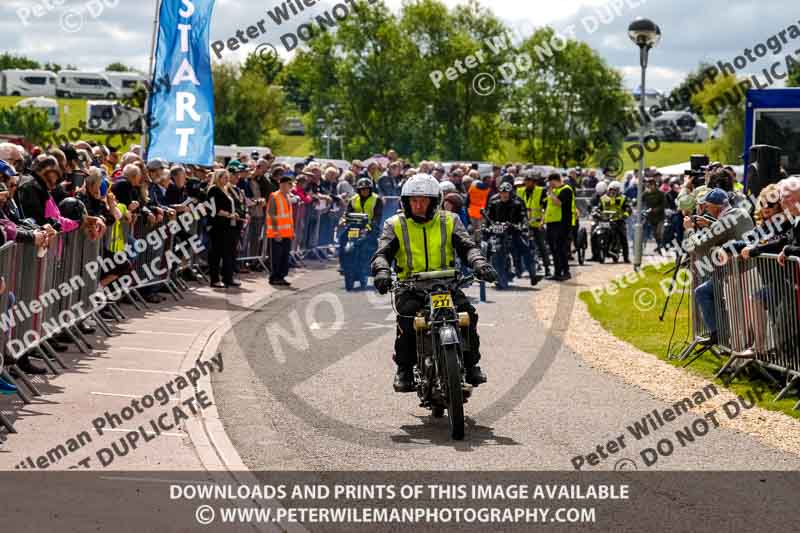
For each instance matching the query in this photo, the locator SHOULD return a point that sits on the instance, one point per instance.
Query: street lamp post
(645, 34)
(330, 128)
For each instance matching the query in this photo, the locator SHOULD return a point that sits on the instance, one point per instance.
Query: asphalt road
(307, 386)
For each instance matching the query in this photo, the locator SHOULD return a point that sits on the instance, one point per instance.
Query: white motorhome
(16, 82)
(111, 116)
(49, 105)
(125, 82)
(75, 83)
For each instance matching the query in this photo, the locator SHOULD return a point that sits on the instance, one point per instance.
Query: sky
(93, 33)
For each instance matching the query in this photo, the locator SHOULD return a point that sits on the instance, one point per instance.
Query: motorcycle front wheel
(455, 394)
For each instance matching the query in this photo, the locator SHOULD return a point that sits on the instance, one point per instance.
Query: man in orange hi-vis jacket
(280, 231)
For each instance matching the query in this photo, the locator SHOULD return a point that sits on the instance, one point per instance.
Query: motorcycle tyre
(455, 393)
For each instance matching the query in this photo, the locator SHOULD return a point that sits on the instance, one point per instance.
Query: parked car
(293, 126)
(49, 105)
(111, 116)
(125, 83)
(16, 82)
(75, 83)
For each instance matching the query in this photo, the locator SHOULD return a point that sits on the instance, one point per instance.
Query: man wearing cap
(280, 230)
(558, 219)
(718, 225)
(532, 195)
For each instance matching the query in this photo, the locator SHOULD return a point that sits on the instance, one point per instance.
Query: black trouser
(223, 245)
(537, 239)
(522, 251)
(405, 345)
(558, 239)
(279, 258)
(619, 227)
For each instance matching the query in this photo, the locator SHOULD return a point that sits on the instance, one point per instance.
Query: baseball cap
(156, 164)
(236, 166)
(6, 169)
(716, 197)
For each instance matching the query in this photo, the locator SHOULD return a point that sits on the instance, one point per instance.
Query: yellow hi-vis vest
(367, 207)
(613, 204)
(533, 203)
(553, 212)
(424, 247)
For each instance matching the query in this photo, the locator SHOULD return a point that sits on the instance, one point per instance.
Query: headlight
(420, 323)
(448, 335)
(463, 319)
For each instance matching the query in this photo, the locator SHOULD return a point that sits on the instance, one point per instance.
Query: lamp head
(644, 33)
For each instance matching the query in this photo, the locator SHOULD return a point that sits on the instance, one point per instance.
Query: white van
(16, 82)
(125, 82)
(111, 116)
(48, 104)
(75, 83)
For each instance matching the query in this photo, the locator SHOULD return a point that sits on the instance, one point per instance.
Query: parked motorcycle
(356, 251)
(496, 248)
(442, 337)
(604, 236)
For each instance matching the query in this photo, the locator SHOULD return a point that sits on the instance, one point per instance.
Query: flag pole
(150, 76)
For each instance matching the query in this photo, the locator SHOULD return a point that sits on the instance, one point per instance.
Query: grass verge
(638, 325)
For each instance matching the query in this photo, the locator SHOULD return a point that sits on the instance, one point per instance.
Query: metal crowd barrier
(253, 242)
(757, 305)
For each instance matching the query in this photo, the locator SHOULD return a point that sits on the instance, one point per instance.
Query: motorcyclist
(532, 195)
(364, 201)
(599, 190)
(420, 239)
(507, 207)
(614, 201)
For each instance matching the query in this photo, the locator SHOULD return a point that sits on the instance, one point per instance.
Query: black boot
(475, 376)
(404, 379)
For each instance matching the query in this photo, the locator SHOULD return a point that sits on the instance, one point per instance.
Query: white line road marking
(162, 333)
(375, 325)
(143, 371)
(121, 430)
(126, 395)
(196, 320)
(140, 349)
(335, 326)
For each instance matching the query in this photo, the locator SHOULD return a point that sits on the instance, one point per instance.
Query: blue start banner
(181, 104)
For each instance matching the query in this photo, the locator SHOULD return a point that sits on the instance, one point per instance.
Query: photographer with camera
(716, 225)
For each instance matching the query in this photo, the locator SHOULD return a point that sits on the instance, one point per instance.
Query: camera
(698, 177)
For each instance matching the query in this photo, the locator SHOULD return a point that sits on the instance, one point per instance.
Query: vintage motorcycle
(605, 238)
(356, 251)
(442, 337)
(496, 247)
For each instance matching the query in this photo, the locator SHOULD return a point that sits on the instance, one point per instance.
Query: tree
(794, 78)
(681, 97)
(7, 61)
(267, 66)
(374, 74)
(724, 101)
(568, 105)
(246, 111)
(118, 67)
(28, 122)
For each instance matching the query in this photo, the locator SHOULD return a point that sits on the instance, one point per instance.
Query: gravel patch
(603, 351)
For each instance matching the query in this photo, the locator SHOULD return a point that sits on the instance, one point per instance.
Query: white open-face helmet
(421, 185)
(446, 187)
(601, 188)
(615, 186)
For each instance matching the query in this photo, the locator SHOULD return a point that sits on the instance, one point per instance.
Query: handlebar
(457, 281)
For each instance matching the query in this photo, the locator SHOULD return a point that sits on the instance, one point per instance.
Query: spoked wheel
(455, 398)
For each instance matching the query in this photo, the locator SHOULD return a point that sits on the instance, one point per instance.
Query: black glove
(485, 273)
(383, 281)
